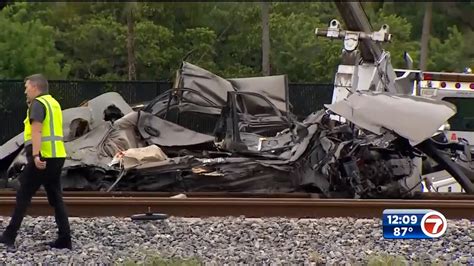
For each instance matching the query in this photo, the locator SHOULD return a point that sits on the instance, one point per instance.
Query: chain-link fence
(304, 98)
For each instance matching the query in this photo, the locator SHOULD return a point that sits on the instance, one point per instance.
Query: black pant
(30, 180)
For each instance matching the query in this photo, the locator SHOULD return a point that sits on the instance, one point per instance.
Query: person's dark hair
(40, 81)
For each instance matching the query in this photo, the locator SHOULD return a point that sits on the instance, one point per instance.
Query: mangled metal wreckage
(257, 144)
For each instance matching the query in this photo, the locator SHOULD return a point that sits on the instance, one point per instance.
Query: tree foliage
(452, 31)
(89, 40)
(27, 46)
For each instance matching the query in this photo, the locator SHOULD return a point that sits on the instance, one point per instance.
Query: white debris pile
(136, 156)
(229, 240)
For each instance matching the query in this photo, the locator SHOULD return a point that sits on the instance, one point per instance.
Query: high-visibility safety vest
(52, 144)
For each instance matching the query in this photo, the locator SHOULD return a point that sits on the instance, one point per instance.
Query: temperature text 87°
(401, 231)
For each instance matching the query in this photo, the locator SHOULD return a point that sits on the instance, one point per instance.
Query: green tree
(27, 46)
(448, 55)
(89, 40)
(96, 49)
(446, 15)
(201, 42)
(297, 52)
(157, 54)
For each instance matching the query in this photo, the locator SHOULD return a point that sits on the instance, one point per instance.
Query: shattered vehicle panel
(85, 128)
(161, 132)
(257, 144)
(11, 146)
(414, 118)
(273, 88)
(75, 121)
(202, 91)
(78, 120)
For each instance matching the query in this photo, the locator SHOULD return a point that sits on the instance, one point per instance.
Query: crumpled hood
(412, 117)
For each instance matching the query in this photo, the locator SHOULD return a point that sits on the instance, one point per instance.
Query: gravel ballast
(232, 240)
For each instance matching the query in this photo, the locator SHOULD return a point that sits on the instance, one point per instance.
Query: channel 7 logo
(413, 224)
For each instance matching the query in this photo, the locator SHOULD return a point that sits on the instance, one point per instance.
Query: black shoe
(60, 244)
(10, 244)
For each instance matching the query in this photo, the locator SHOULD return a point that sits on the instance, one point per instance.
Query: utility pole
(425, 35)
(132, 72)
(265, 6)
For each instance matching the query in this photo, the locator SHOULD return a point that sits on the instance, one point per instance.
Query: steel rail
(95, 194)
(248, 207)
(6, 193)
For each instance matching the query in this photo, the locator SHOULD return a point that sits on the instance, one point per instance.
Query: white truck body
(458, 89)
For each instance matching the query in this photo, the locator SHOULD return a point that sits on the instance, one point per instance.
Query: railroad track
(8, 193)
(126, 204)
(95, 194)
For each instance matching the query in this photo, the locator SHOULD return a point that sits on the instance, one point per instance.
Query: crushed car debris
(257, 144)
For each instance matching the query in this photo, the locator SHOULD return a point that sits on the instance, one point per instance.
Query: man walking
(45, 152)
